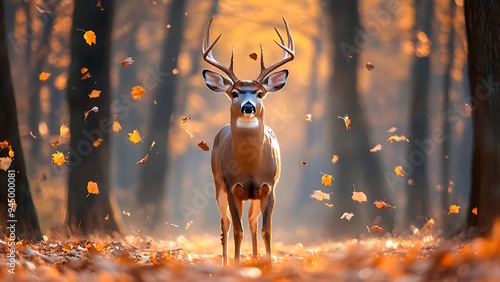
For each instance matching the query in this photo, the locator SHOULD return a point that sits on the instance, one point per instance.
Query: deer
(246, 163)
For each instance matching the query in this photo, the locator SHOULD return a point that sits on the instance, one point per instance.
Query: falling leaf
(308, 117)
(358, 196)
(83, 70)
(347, 215)
(168, 25)
(189, 224)
(152, 145)
(86, 114)
(64, 131)
(5, 163)
(95, 93)
(186, 119)
(175, 71)
(377, 148)
(4, 145)
(304, 163)
(454, 209)
(11, 153)
(474, 210)
(116, 126)
(377, 228)
(253, 56)
(33, 135)
(45, 238)
(107, 217)
(399, 171)
(329, 205)
(134, 137)
(397, 138)
(137, 92)
(99, 5)
(143, 160)
(430, 223)
(382, 205)
(97, 142)
(391, 130)
(335, 159)
(89, 37)
(203, 146)
(326, 179)
(58, 158)
(92, 188)
(320, 195)
(347, 121)
(369, 66)
(44, 76)
(127, 62)
(85, 73)
(126, 213)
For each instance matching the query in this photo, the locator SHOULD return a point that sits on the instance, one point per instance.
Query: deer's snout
(248, 108)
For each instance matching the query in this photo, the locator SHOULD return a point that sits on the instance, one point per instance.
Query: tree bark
(87, 213)
(482, 23)
(152, 190)
(27, 226)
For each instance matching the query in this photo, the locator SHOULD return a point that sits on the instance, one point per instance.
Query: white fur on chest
(243, 122)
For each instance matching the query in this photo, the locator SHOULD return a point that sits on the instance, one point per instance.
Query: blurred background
(418, 52)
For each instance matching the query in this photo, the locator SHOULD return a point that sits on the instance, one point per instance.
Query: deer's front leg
(267, 206)
(225, 222)
(236, 209)
(253, 216)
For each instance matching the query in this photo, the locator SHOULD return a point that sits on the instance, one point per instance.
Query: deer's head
(247, 95)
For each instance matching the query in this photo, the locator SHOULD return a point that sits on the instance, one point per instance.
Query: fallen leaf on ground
(203, 146)
(92, 188)
(399, 171)
(474, 210)
(134, 137)
(58, 158)
(320, 195)
(326, 179)
(95, 94)
(377, 148)
(347, 215)
(44, 76)
(143, 160)
(347, 121)
(137, 92)
(397, 138)
(454, 209)
(127, 62)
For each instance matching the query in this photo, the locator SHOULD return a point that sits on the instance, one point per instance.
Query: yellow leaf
(430, 223)
(95, 93)
(377, 148)
(89, 37)
(152, 144)
(134, 137)
(335, 159)
(44, 76)
(97, 142)
(137, 92)
(329, 205)
(326, 180)
(320, 195)
(474, 210)
(454, 209)
(189, 224)
(58, 158)
(92, 188)
(11, 153)
(399, 171)
(5, 163)
(347, 121)
(397, 138)
(116, 126)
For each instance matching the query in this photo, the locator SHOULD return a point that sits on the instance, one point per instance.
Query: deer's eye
(259, 95)
(235, 94)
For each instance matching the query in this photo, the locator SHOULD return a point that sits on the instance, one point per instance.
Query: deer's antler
(206, 50)
(289, 54)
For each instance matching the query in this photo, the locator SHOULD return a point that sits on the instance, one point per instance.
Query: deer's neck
(247, 137)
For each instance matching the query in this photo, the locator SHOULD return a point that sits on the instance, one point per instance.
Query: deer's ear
(275, 81)
(216, 82)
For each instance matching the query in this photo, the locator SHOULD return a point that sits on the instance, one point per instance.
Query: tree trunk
(87, 213)
(26, 226)
(417, 206)
(151, 191)
(356, 164)
(482, 23)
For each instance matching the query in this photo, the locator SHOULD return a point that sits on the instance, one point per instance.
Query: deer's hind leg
(225, 222)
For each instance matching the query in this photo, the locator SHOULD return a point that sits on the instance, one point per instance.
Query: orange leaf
(44, 76)
(84, 70)
(377, 148)
(454, 209)
(86, 114)
(391, 130)
(397, 138)
(4, 145)
(326, 180)
(134, 137)
(143, 160)
(58, 158)
(107, 217)
(358, 196)
(347, 121)
(253, 56)
(430, 223)
(382, 205)
(95, 93)
(335, 159)
(203, 146)
(474, 210)
(5, 163)
(369, 66)
(89, 37)
(97, 142)
(320, 195)
(127, 62)
(116, 126)
(92, 188)
(377, 228)
(399, 171)
(11, 153)
(64, 131)
(304, 163)
(137, 92)
(55, 144)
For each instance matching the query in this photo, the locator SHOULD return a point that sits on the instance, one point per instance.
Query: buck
(246, 156)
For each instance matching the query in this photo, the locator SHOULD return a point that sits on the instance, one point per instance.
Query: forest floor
(198, 259)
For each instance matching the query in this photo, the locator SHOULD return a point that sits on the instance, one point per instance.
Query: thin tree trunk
(482, 23)
(87, 213)
(151, 191)
(27, 226)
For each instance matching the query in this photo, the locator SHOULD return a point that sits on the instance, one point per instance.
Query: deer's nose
(248, 108)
